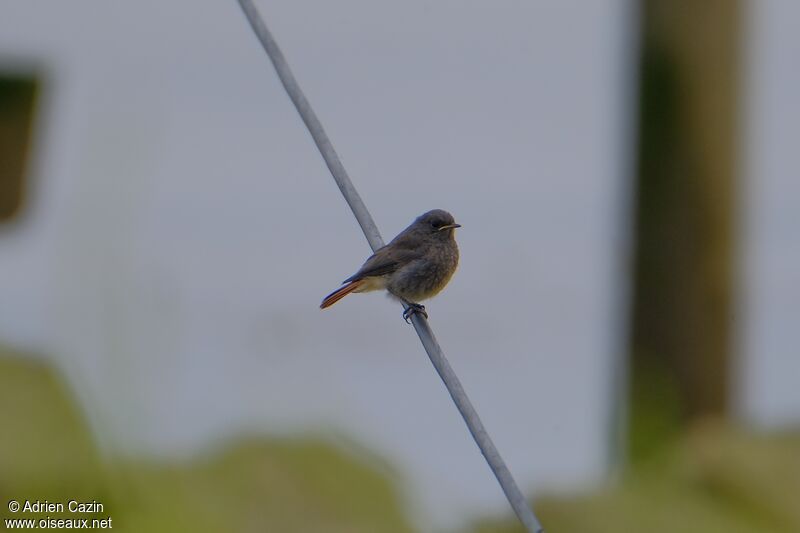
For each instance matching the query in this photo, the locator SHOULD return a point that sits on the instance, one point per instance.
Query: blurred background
(624, 317)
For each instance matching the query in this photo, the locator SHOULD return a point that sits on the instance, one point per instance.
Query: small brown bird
(415, 266)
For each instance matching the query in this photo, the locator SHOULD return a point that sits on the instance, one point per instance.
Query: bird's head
(437, 222)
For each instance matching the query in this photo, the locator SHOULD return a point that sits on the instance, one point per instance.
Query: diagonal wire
(429, 342)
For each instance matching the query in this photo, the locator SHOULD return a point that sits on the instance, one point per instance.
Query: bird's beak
(450, 226)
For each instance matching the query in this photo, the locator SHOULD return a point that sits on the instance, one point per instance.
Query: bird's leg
(414, 308)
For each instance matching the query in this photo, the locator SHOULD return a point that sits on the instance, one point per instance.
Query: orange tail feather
(338, 294)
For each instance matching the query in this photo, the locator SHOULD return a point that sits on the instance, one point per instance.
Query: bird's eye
(436, 224)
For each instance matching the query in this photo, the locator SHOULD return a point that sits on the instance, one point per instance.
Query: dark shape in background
(18, 96)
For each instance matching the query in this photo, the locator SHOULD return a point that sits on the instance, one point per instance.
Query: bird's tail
(340, 293)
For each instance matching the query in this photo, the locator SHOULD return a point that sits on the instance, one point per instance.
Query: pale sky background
(184, 229)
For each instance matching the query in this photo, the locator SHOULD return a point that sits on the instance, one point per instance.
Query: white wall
(770, 342)
(185, 229)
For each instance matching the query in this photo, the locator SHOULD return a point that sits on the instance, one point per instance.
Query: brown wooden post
(683, 286)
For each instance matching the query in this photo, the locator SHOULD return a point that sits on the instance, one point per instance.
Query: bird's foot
(414, 308)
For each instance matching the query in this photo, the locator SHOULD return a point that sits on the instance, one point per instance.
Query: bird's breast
(425, 277)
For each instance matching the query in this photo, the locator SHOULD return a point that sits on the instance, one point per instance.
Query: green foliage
(254, 484)
(712, 480)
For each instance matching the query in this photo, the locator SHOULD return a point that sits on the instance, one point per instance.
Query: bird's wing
(384, 261)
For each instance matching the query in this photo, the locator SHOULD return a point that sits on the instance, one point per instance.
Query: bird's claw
(412, 309)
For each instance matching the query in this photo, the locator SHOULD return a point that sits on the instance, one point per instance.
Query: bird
(416, 265)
